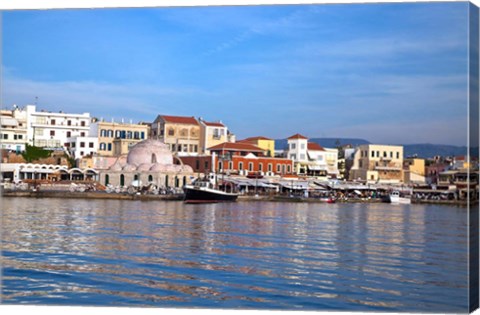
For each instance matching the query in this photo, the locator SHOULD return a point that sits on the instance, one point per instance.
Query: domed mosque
(151, 162)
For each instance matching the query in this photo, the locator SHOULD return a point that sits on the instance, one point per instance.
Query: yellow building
(414, 171)
(181, 134)
(262, 142)
(115, 139)
(212, 134)
(376, 163)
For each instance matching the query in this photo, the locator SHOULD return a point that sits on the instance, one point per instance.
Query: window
(270, 167)
(289, 169)
(103, 133)
(360, 164)
(107, 178)
(220, 166)
(197, 164)
(206, 165)
(398, 155)
(118, 134)
(260, 167)
(52, 133)
(150, 178)
(250, 166)
(302, 156)
(14, 137)
(73, 144)
(82, 134)
(103, 146)
(53, 122)
(122, 180)
(302, 146)
(378, 153)
(69, 122)
(240, 166)
(90, 144)
(278, 168)
(69, 134)
(373, 154)
(384, 154)
(5, 136)
(230, 165)
(391, 154)
(293, 156)
(292, 146)
(81, 153)
(82, 123)
(109, 147)
(136, 135)
(171, 132)
(142, 135)
(82, 144)
(185, 148)
(110, 133)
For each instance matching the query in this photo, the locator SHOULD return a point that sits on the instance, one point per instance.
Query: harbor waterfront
(248, 255)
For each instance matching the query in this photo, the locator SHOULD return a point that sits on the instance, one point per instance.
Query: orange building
(239, 159)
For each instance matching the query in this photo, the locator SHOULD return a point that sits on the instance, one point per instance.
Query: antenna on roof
(36, 100)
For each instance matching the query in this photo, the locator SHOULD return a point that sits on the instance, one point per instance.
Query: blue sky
(388, 73)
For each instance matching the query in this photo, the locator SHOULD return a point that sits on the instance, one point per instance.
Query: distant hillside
(428, 150)
(424, 150)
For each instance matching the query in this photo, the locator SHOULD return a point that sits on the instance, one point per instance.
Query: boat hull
(199, 195)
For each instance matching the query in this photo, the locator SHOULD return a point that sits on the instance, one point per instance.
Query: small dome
(144, 167)
(158, 168)
(116, 167)
(129, 168)
(150, 152)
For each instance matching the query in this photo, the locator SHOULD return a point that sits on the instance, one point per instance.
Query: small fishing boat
(203, 191)
(396, 197)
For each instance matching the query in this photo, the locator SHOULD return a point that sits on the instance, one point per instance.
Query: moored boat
(204, 192)
(396, 197)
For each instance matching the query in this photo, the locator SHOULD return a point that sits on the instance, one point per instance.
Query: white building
(13, 129)
(52, 130)
(311, 159)
(79, 146)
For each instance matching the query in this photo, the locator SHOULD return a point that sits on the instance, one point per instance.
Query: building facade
(242, 159)
(376, 163)
(265, 143)
(13, 129)
(311, 159)
(181, 134)
(115, 138)
(51, 129)
(212, 134)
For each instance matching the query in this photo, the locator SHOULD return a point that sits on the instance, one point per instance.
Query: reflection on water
(236, 255)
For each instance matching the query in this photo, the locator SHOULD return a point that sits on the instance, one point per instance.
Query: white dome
(150, 152)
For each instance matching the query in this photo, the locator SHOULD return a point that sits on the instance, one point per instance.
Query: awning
(316, 168)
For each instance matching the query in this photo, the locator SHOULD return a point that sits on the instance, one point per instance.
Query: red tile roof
(180, 119)
(236, 146)
(297, 136)
(214, 124)
(314, 146)
(256, 138)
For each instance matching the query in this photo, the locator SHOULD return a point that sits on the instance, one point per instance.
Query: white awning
(316, 168)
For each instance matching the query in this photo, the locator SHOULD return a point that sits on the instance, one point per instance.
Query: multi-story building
(116, 138)
(52, 130)
(213, 133)
(239, 159)
(375, 163)
(414, 171)
(181, 134)
(13, 129)
(262, 142)
(311, 159)
(79, 147)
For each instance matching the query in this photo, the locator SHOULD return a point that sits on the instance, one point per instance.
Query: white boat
(395, 197)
